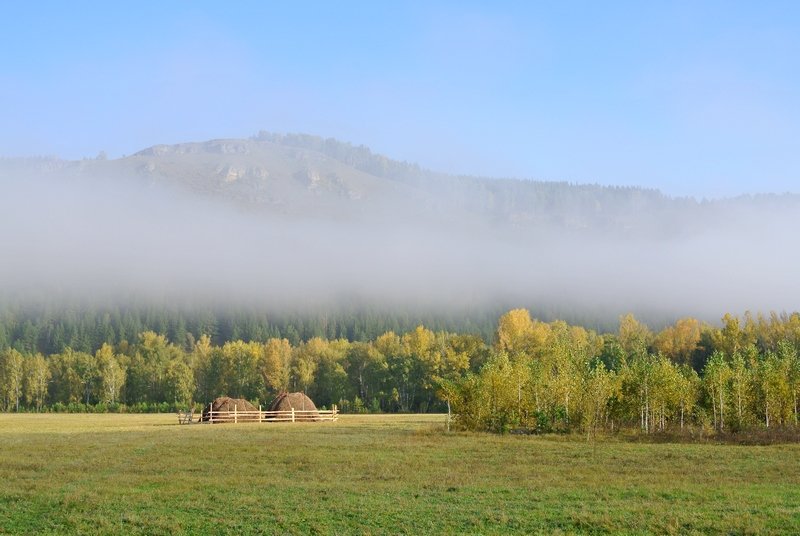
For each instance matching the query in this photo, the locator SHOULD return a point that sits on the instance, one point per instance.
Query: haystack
(226, 403)
(297, 401)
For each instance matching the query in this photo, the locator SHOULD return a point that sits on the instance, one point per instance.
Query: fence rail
(294, 415)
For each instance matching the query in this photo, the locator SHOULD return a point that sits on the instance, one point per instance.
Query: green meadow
(379, 474)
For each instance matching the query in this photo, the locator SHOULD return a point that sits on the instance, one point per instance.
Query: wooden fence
(294, 415)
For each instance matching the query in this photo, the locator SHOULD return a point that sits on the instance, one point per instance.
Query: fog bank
(100, 237)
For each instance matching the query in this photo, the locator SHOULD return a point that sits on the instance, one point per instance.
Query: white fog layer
(296, 220)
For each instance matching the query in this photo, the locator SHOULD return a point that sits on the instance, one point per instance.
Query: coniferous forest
(514, 373)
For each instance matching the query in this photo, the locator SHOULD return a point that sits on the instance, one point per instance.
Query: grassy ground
(112, 474)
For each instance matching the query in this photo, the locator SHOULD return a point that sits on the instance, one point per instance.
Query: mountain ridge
(290, 170)
(306, 176)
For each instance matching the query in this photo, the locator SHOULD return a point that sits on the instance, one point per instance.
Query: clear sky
(694, 98)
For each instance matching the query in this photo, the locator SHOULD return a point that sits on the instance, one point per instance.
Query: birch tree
(11, 378)
(716, 377)
(275, 364)
(37, 377)
(112, 374)
(741, 386)
(599, 386)
(688, 388)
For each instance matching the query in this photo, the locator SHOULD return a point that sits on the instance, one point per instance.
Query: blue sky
(693, 98)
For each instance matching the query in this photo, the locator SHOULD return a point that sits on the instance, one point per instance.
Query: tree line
(532, 375)
(50, 327)
(554, 376)
(394, 372)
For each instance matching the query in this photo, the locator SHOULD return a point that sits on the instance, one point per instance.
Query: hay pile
(297, 401)
(226, 403)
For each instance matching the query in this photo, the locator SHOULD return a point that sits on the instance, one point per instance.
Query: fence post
(259, 413)
(211, 413)
(292, 414)
(235, 415)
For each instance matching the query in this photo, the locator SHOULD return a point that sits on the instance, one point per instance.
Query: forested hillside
(52, 328)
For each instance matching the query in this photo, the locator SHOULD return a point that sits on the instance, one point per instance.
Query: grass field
(144, 474)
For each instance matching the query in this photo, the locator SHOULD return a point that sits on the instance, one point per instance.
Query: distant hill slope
(301, 174)
(311, 177)
(307, 175)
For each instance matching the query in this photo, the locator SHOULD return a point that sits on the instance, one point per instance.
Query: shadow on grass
(744, 436)
(689, 434)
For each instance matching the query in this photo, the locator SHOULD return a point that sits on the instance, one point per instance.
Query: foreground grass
(144, 474)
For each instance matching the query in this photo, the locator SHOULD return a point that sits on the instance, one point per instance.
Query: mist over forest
(298, 223)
